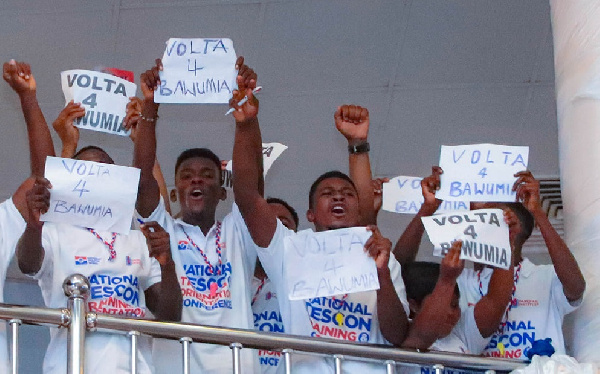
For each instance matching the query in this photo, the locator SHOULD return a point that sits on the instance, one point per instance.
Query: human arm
(392, 318)
(163, 298)
(352, 121)
(67, 132)
(407, 246)
(144, 150)
(30, 252)
(247, 159)
(565, 264)
(132, 117)
(18, 75)
(377, 185)
(432, 321)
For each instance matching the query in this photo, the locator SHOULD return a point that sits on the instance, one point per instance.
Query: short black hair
(322, 177)
(275, 200)
(201, 153)
(92, 148)
(420, 279)
(525, 217)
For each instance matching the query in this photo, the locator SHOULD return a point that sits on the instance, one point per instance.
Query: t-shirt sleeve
(272, 257)
(469, 333)
(558, 295)
(396, 275)
(159, 215)
(12, 226)
(248, 245)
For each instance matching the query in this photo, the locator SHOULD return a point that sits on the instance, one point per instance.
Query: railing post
(287, 357)
(438, 369)
(237, 362)
(134, 348)
(77, 288)
(14, 326)
(185, 342)
(390, 367)
(338, 363)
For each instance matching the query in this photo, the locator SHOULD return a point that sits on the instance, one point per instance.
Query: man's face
(95, 155)
(335, 205)
(450, 316)
(284, 215)
(198, 186)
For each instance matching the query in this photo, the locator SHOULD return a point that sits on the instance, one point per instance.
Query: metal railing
(77, 321)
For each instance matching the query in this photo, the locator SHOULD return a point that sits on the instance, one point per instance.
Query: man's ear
(223, 194)
(310, 216)
(173, 195)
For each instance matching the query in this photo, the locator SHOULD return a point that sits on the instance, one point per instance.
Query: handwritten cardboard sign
(403, 195)
(104, 97)
(197, 71)
(91, 194)
(271, 152)
(480, 172)
(483, 232)
(329, 263)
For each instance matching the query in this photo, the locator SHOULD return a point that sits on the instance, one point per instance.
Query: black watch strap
(359, 148)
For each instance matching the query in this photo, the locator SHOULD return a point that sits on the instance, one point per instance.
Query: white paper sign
(91, 194)
(329, 263)
(197, 71)
(483, 232)
(480, 172)
(403, 195)
(271, 152)
(103, 96)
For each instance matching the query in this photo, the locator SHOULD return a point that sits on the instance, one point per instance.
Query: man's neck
(204, 221)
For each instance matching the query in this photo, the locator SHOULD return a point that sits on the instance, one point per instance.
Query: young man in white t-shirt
(438, 322)
(124, 279)
(543, 294)
(378, 316)
(213, 267)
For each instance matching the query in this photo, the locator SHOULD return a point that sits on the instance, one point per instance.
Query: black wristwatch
(359, 148)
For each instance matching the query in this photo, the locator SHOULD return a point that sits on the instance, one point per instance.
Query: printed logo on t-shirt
(339, 319)
(517, 336)
(86, 260)
(268, 320)
(133, 261)
(182, 245)
(524, 303)
(117, 295)
(206, 287)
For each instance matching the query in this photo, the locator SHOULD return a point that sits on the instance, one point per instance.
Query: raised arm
(431, 322)
(164, 298)
(247, 158)
(352, 121)
(144, 154)
(565, 265)
(30, 252)
(132, 118)
(407, 246)
(67, 132)
(490, 309)
(393, 321)
(18, 75)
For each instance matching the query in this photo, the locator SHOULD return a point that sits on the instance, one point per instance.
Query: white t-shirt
(465, 338)
(351, 318)
(265, 308)
(539, 306)
(116, 287)
(218, 297)
(12, 226)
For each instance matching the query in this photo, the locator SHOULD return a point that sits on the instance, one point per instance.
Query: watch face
(360, 148)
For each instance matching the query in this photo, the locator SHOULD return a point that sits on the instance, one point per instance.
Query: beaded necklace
(110, 246)
(219, 250)
(513, 300)
(260, 287)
